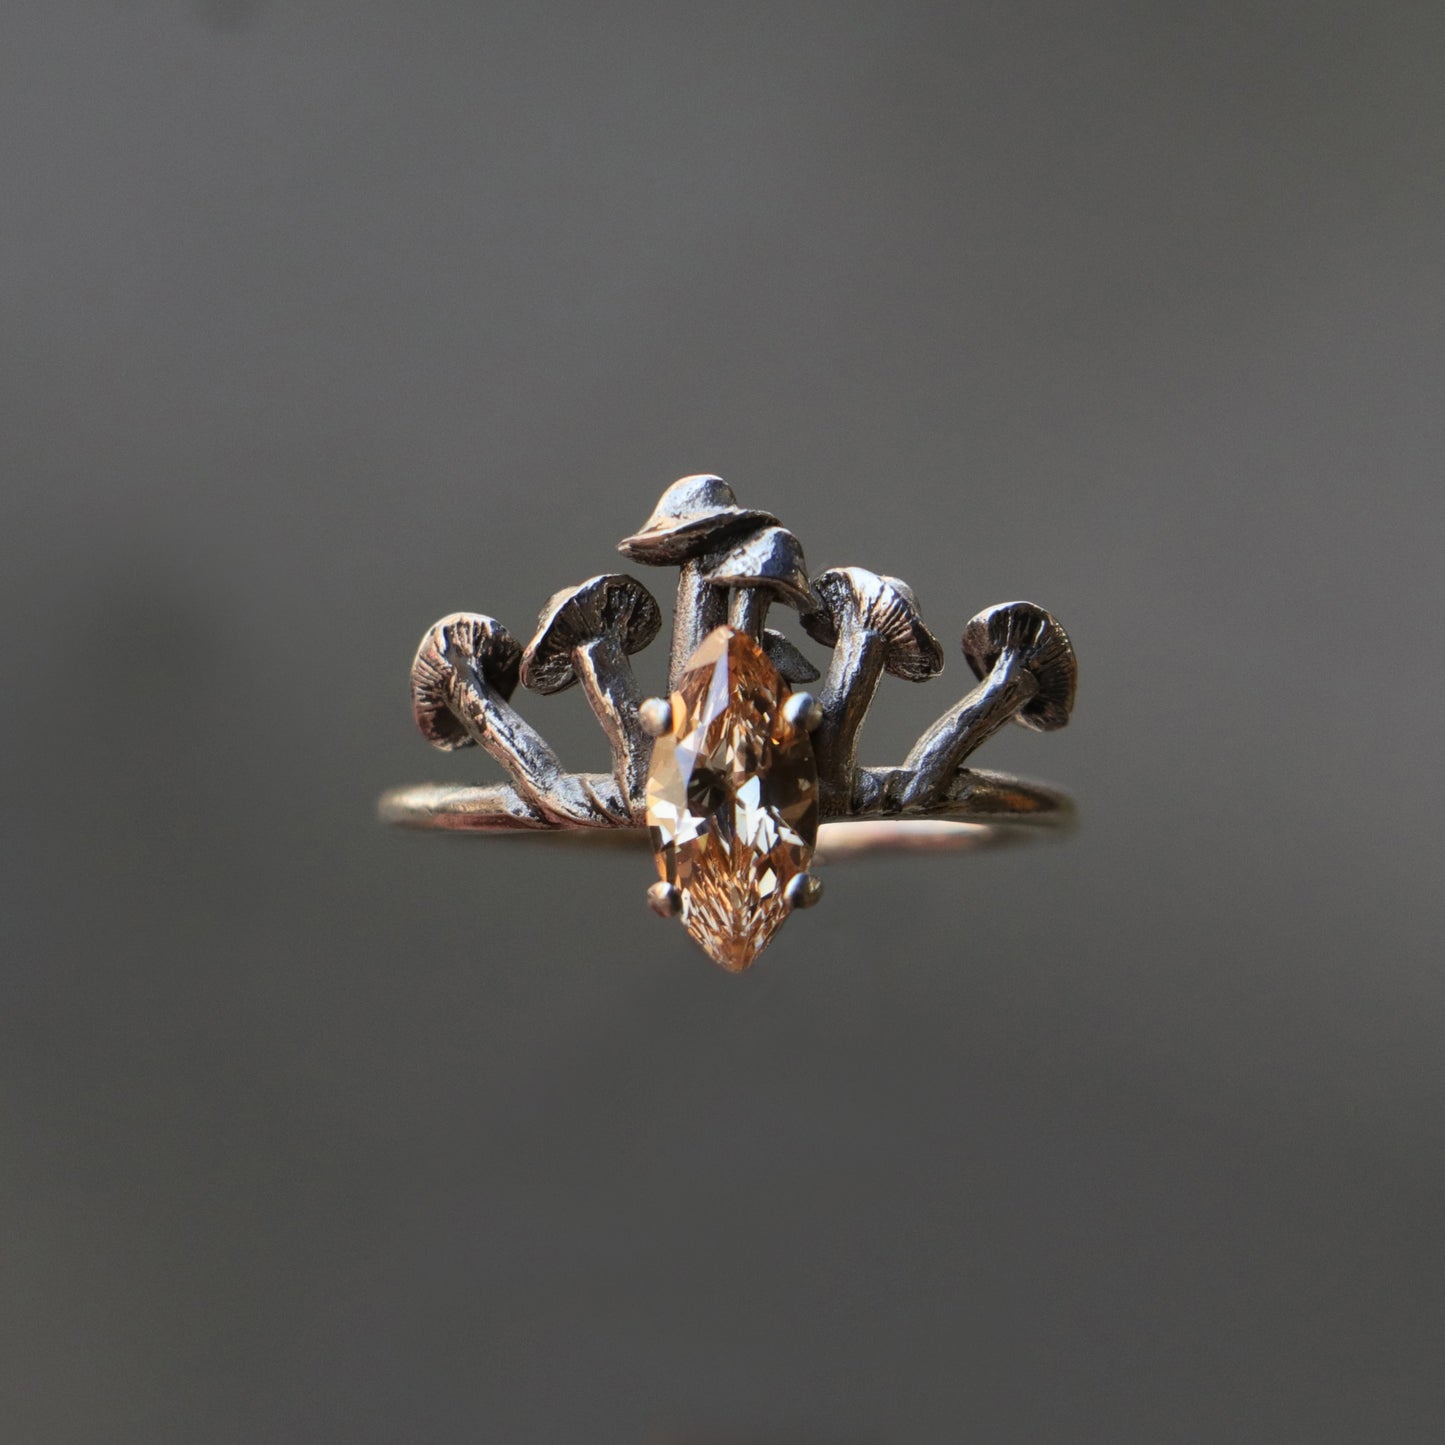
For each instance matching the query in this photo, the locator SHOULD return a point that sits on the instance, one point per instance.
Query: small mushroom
(696, 519)
(463, 641)
(464, 672)
(1033, 634)
(873, 626)
(1029, 674)
(764, 568)
(587, 633)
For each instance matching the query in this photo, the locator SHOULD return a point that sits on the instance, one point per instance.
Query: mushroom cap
(771, 558)
(693, 516)
(1043, 648)
(884, 605)
(613, 604)
(791, 664)
(455, 641)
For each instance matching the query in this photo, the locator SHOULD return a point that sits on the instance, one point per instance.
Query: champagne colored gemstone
(732, 798)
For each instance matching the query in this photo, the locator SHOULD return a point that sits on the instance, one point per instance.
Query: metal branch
(852, 681)
(1029, 674)
(463, 674)
(612, 691)
(586, 634)
(872, 624)
(936, 757)
(535, 770)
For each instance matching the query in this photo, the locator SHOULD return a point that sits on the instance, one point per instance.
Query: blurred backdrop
(323, 320)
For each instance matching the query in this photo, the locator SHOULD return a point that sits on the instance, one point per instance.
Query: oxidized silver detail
(734, 564)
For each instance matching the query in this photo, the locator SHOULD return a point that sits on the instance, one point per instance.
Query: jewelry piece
(733, 771)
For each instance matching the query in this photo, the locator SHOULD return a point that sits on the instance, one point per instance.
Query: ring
(740, 778)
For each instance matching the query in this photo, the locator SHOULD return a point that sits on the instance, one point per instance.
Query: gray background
(323, 320)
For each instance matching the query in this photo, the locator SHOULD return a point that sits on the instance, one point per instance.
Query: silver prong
(664, 899)
(803, 891)
(803, 710)
(655, 714)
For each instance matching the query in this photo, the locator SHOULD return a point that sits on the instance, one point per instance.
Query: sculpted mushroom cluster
(732, 767)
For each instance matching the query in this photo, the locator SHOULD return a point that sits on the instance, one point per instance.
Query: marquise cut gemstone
(732, 798)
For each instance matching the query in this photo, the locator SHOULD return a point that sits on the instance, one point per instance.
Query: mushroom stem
(759, 569)
(700, 608)
(748, 609)
(535, 770)
(853, 677)
(872, 624)
(607, 678)
(936, 757)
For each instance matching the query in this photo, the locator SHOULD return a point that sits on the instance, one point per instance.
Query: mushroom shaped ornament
(465, 668)
(696, 520)
(873, 625)
(587, 634)
(464, 672)
(1035, 640)
(1029, 674)
(764, 568)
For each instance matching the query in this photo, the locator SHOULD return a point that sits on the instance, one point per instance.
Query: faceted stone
(732, 798)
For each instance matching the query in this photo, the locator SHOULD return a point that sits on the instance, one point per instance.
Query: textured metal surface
(975, 797)
(693, 527)
(872, 624)
(587, 634)
(733, 562)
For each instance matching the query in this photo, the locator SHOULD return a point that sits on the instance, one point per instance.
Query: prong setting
(803, 891)
(803, 710)
(655, 715)
(665, 899)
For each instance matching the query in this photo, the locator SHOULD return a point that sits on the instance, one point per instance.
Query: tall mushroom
(873, 626)
(759, 570)
(696, 519)
(1029, 673)
(587, 633)
(464, 672)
